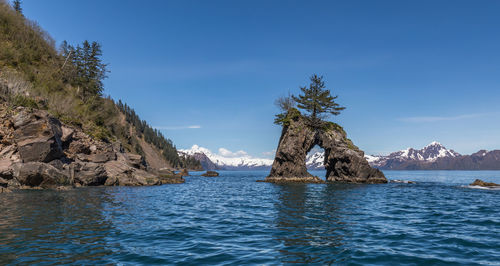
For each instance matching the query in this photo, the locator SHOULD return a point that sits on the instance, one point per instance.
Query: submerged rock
(210, 174)
(344, 162)
(481, 183)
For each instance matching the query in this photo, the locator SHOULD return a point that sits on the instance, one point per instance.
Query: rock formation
(36, 150)
(210, 174)
(344, 162)
(481, 183)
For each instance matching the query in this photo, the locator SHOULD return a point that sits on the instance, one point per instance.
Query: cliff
(37, 150)
(344, 162)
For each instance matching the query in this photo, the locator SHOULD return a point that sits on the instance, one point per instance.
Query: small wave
(480, 187)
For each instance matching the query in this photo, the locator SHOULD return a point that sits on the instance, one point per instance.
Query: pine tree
(317, 101)
(16, 4)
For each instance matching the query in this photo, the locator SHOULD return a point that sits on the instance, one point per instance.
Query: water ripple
(233, 220)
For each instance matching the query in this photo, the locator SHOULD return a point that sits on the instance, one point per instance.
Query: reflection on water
(234, 220)
(54, 226)
(310, 222)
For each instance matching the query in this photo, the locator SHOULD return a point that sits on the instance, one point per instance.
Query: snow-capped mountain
(237, 161)
(431, 157)
(429, 153)
(436, 157)
(314, 161)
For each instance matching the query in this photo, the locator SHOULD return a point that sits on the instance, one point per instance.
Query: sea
(234, 220)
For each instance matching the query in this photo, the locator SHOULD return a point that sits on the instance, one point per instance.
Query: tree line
(155, 137)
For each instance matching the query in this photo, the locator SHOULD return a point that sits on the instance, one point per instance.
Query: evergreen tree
(16, 4)
(317, 101)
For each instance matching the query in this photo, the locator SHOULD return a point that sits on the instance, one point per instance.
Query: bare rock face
(37, 151)
(38, 136)
(344, 162)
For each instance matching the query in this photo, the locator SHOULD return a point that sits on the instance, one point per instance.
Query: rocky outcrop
(344, 162)
(481, 183)
(210, 174)
(183, 172)
(38, 151)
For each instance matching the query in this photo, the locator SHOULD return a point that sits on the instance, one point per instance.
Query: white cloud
(423, 119)
(177, 127)
(269, 153)
(227, 153)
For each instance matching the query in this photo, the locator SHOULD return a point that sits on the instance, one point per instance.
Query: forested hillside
(67, 82)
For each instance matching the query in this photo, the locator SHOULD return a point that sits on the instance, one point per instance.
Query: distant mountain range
(212, 161)
(431, 157)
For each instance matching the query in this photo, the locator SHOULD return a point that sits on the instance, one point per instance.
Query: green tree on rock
(317, 101)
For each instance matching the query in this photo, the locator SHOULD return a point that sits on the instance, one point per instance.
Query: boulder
(5, 190)
(344, 162)
(481, 183)
(34, 174)
(39, 140)
(210, 174)
(124, 175)
(67, 134)
(97, 157)
(90, 174)
(183, 172)
(135, 160)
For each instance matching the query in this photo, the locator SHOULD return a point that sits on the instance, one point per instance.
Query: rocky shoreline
(38, 151)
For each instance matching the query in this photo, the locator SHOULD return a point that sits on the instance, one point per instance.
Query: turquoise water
(234, 220)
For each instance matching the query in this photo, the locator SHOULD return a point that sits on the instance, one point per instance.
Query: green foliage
(16, 4)
(20, 100)
(83, 68)
(334, 126)
(156, 138)
(285, 118)
(70, 84)
(317, 101)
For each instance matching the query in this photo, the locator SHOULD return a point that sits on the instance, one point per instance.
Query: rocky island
(344, 162)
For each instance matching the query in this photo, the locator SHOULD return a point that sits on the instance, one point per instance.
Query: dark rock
(210, 174)
(172, 180)
(38, 140)
(5, 190)
(184, 172)
(3, 182)
(136, 160)
(97, 157)
(344, 162)
(90, 174)
(39, 174)
(481, 183)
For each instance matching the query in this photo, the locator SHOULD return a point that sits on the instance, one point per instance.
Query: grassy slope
(32, 74)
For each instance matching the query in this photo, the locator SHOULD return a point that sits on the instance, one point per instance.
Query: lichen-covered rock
(344, 162)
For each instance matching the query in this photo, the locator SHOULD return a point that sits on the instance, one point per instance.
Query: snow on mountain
(226, 160)
(427, 154)
(315, 160)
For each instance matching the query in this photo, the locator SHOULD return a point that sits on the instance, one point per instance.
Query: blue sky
(207, 72)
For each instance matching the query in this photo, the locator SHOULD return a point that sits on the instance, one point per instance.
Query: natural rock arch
(344, 162)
